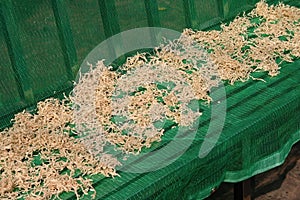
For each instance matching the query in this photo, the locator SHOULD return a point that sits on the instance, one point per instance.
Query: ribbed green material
(263, 119)
(42, 44)
(262, 124)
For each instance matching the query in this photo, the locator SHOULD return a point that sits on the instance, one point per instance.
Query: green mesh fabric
(43, 42)
(262, 124)
(38, 54)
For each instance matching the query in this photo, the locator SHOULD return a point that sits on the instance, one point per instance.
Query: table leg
(242, 190)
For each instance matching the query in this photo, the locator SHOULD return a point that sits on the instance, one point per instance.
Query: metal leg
(242, 190)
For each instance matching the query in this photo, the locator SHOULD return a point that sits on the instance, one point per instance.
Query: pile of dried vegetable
(40, 157)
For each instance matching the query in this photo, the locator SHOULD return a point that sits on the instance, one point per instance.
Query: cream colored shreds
(253, 42)
(250, 43)
(38, 157)
(104, 94)
(36, 151)
(119, 97)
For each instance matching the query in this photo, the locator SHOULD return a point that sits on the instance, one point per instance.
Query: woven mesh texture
(262, 123)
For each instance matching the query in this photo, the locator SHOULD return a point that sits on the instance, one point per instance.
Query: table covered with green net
(262, 124)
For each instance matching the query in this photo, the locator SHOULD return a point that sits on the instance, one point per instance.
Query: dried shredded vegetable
(39, 158)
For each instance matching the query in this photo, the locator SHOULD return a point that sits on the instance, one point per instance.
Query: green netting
(131, 9)
(32, 62)
(51, 37)
(261, 126)
(41, 47)
(9, 94)
(232, 7)
(171, 14)
(87, 26)
(211, 13)
(263, 119)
